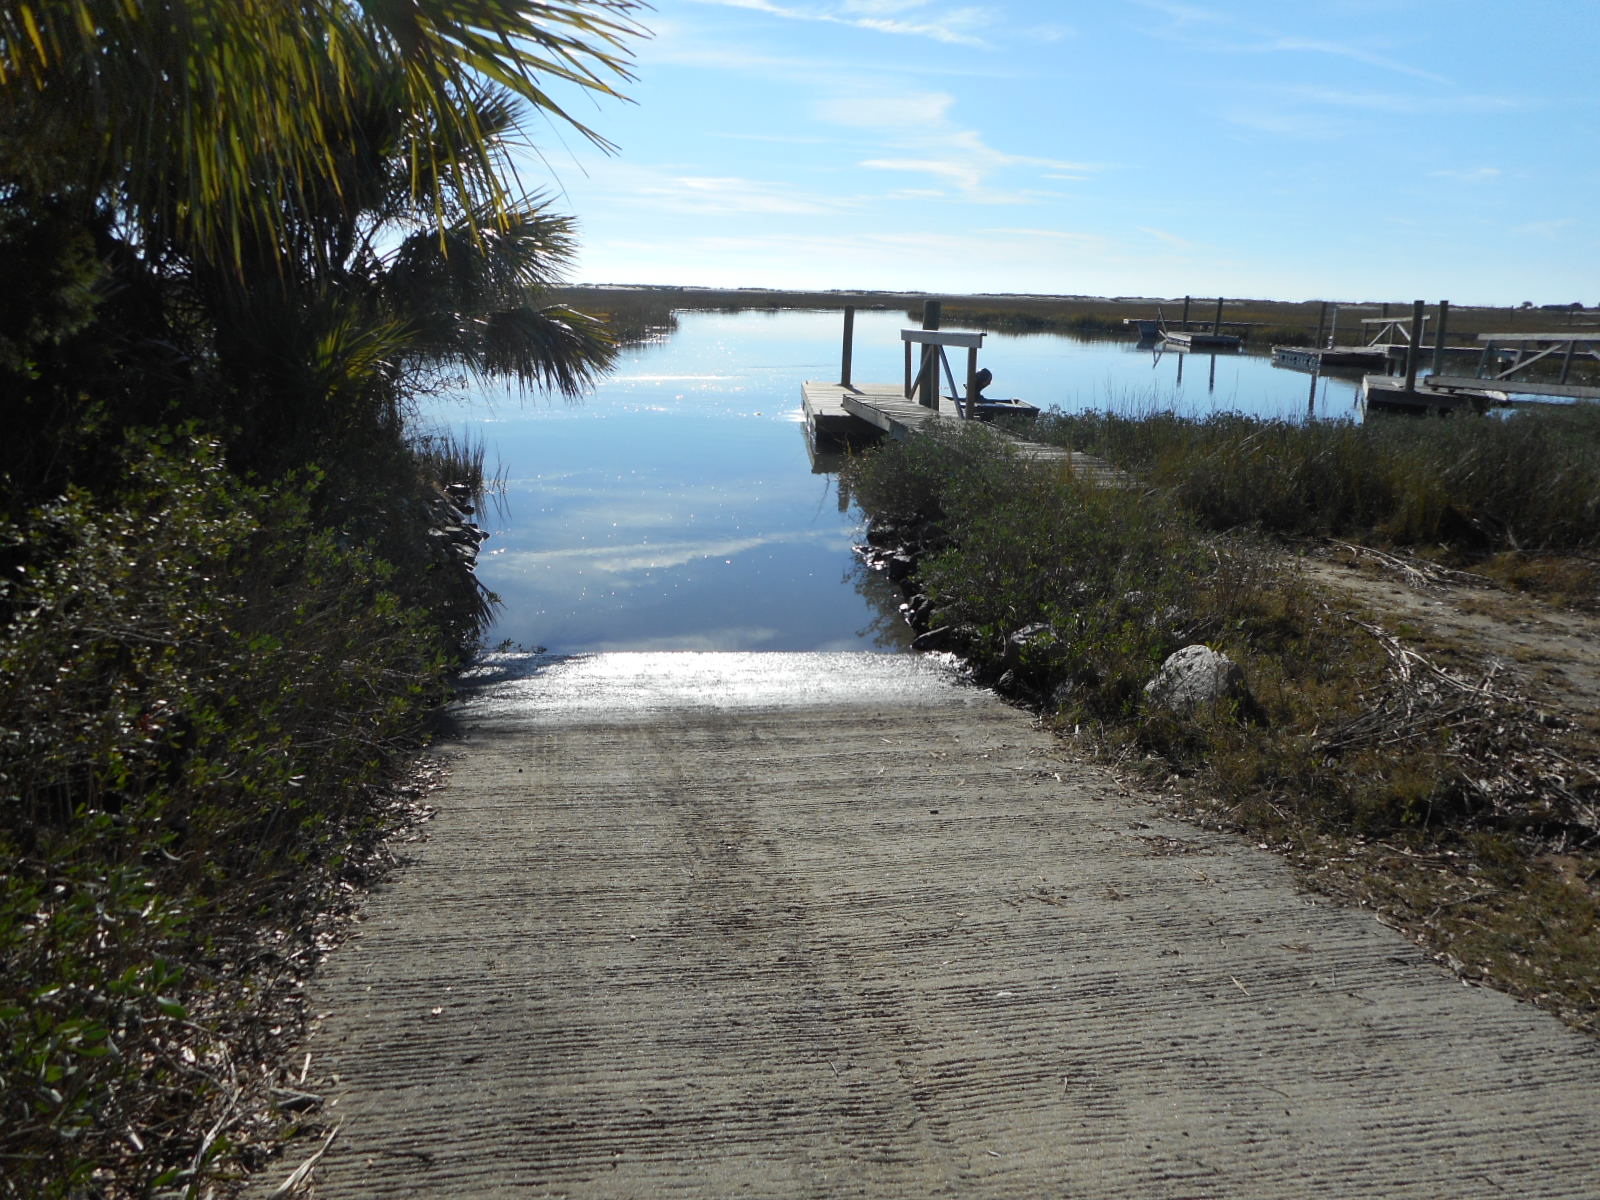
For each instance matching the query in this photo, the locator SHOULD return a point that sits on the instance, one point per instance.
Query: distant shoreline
(643, 310)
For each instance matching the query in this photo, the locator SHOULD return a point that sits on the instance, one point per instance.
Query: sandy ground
(1553, 654)
(838, 925)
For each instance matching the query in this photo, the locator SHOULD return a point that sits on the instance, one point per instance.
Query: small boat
(988, 410)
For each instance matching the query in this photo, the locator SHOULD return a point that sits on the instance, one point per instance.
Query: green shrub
(201, 691)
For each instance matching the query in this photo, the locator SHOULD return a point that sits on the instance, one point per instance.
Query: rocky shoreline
(1193, 678)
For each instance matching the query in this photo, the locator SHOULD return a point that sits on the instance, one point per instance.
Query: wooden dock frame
(1570, 346)
(925, 387)
(849, 412)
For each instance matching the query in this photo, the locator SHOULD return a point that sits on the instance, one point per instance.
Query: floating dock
(1183, 339)
(853, 412)
(1312, 358)
(1389, 393)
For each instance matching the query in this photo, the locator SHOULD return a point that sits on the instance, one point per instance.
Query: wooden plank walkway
(836, 410)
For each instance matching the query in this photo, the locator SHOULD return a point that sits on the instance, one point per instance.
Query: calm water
(678, 507)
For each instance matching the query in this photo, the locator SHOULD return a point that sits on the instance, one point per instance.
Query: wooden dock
(848, 412)
(1504, 360)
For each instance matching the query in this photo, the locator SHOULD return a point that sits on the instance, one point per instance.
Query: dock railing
(923, 386)
(1506, 358)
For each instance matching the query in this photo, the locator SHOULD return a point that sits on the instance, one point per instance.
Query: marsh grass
(1528, 482)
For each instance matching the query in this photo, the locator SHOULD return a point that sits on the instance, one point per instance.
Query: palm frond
(555, 349)
(212, 119)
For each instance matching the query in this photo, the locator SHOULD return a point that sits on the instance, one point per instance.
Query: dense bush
(201, 691)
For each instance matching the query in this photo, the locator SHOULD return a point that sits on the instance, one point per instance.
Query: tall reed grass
(1530, 481)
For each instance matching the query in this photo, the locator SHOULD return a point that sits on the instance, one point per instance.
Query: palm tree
(210, 120)
(315, 195)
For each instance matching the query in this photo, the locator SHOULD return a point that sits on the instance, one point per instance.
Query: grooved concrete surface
(834, 925)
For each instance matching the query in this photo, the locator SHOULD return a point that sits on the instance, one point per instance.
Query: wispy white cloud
(881, 8)
(1323, 113)
(1167, 239)
(673, 188)
(910, 18)
(1220, 32)
(1183, 14)
(917, 129)
(712, 194)
(1052, 32)
(780, 139)
(1290, 45)
(1399, 104)
(1469, 174)
(894, 113)
(1554, 228)
(1064, 235)
(1310, 126)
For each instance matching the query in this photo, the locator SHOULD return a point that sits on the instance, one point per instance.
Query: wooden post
(849, 345)
(1216, 321)
(1186, 312)
(1566, 360)
(1322, 320)
(1413, 347)
(928, 376)
(1438, 337)
(972, 382)
(1333, 330)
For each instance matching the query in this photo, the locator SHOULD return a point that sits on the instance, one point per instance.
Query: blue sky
(1329, 149)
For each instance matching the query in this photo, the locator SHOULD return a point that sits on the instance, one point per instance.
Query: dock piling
(849, 345)
(1414, 346)
(928, 375)
(1438, 337)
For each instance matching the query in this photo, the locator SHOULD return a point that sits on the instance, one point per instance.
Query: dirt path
(825, 926)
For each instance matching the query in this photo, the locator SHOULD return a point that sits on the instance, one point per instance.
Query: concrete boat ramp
(795, 925)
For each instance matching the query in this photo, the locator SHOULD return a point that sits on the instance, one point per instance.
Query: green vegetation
(233, 580)
(1421, 785)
